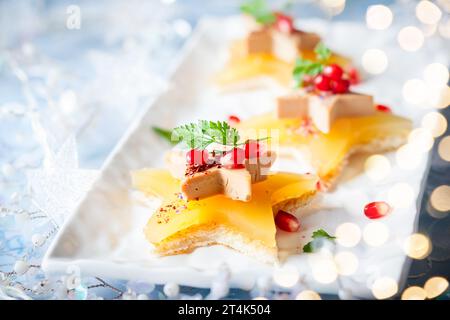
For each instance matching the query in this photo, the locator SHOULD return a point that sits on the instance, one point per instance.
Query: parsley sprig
(312, 68)
(318, 234)
(259, 10)
(201, 134)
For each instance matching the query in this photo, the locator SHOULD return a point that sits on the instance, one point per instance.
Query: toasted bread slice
(180, 226)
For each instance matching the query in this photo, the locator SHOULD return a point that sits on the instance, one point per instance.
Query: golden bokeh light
(435, 287)
(435, 123)
(410, 38)
(439, 97)
(378, 17)
(384, 287)
(440, 198)
(346, 262)
(428, 13)
(323, 267)
(421, 139)
(401, 195)
(417, 246)
(414, 293)
(415, 91)
(436, 74)
(407, 157)
(260, 298)
(348, 234)
(444, 148)
(375, 234)
(286, 276)
(308, 295)
(377, 167)
(374, 61)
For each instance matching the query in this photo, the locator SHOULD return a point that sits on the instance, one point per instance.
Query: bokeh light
(308, 295)
(334, 7)
(286, 276)
(444, 29)
(378, 17)
(407, 157)
(444, 148)
(414, 293)
(410, 38)
(346, 262)
(401, 195)
(421, 139)
(417, 246)
(436, 74)
(428, 13)
(348, 234)
(375, 234)
(435, 123)
(384, 287)
(435, 286)
(377, 167)
(415, 91)
(323, 267)
(374, 61)
(440, 198)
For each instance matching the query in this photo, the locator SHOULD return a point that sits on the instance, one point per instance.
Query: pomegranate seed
(353, 76)
(376, 210)
(233, 119)
(383, 108)
(333, 71)
(286, 221)
(340, 86)
(284, 23)
(234, 159)
(197, 157)
(322, 83)
(252, 149)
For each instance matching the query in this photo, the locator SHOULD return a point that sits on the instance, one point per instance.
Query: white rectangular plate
(104, 235)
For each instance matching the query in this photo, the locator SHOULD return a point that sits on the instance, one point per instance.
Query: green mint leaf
(318, 234)
(165, 134)
(322, 52)
(259, 10)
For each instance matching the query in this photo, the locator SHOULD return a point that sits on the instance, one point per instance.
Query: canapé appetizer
(326, 121)
(219, 190)
(270, 47)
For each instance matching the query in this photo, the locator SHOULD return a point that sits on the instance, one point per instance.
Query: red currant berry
(322, 83)
(197, 157)
(383, 108)
(284, 23)
(286, 221)
(333, 71)
(376, 210)
(252, 149)
(340, 86)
